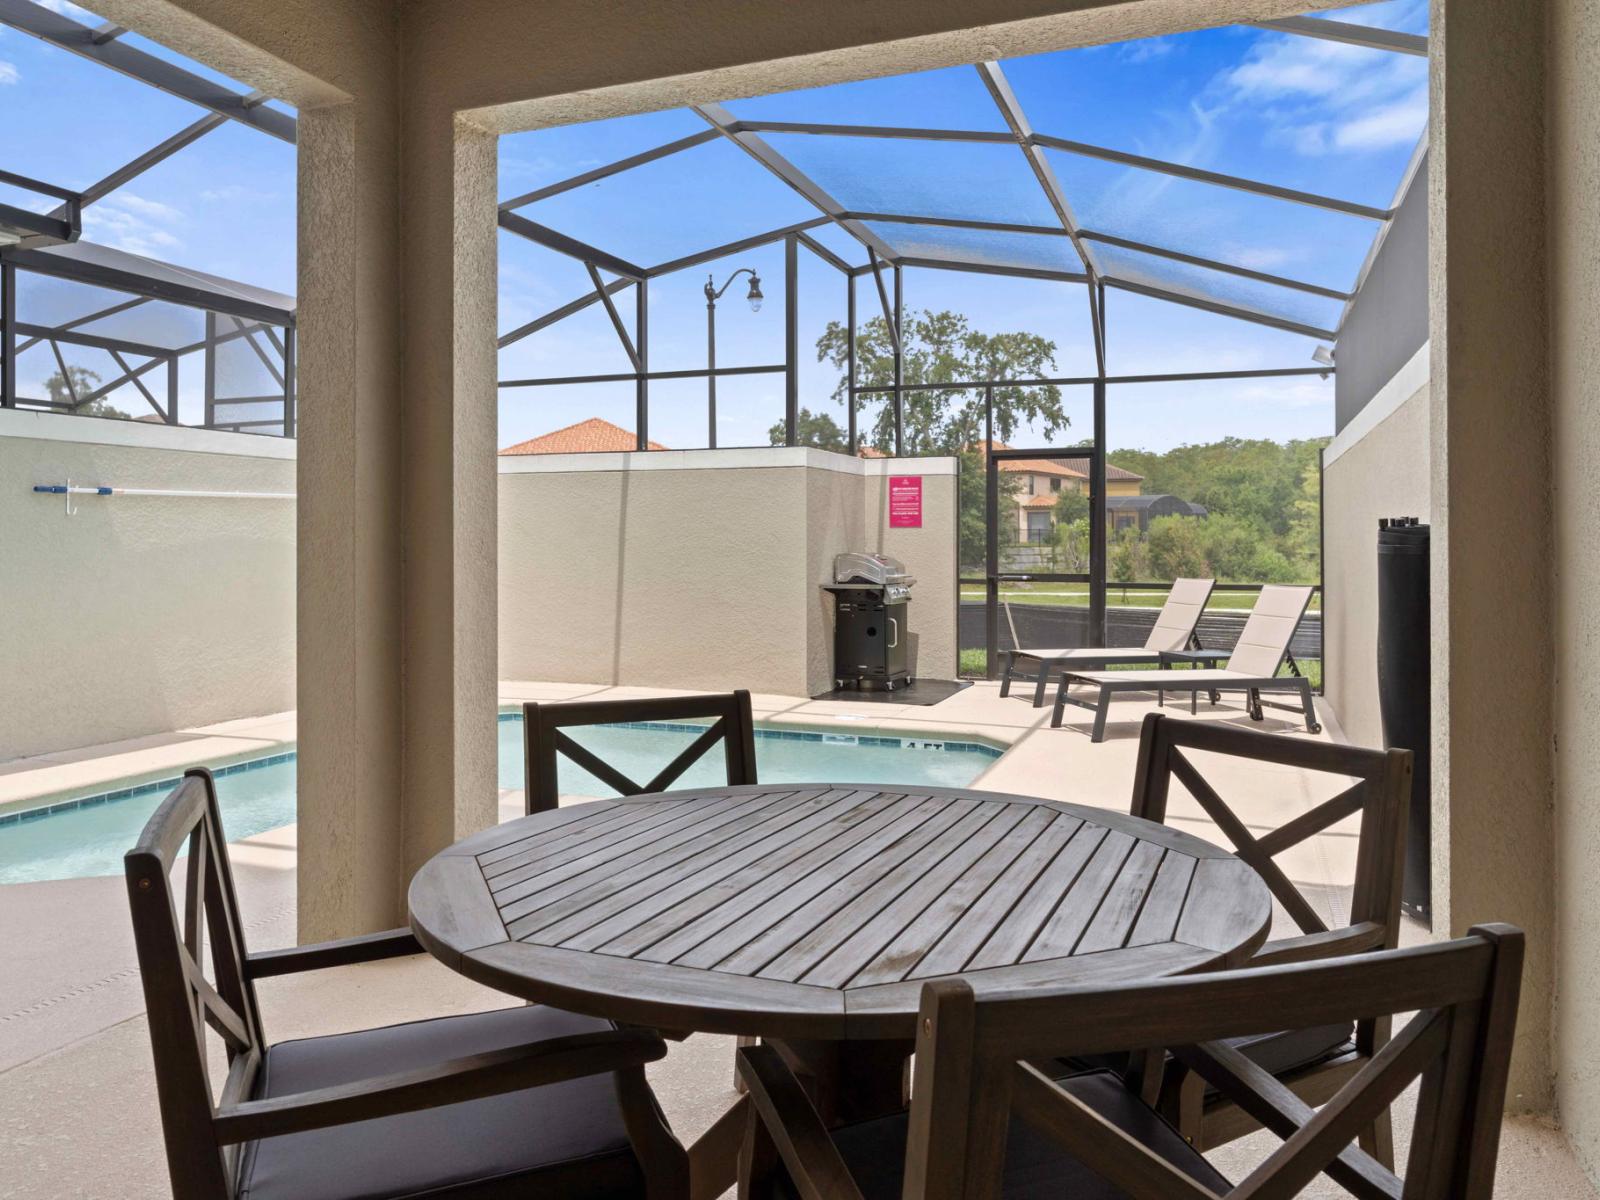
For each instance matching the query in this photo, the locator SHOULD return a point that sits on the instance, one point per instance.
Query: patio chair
(1173, 630)
(1312, 1062)
(485, 1104)
(544, 741)
(986, 1124)
(1252, 668)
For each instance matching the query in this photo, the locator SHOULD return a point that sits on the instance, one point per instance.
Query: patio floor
(73, 1043)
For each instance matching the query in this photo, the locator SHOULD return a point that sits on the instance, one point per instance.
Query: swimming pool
(88, 835)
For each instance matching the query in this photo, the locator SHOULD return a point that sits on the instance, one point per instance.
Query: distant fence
(1068, 625)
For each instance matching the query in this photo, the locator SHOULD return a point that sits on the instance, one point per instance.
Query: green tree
(1071, 506)
(972, 510)
(1070, 553)
(1303, 543)
(813, 429)
(942, 347)
(1128, 558)
(1177, 547)
(66, 389)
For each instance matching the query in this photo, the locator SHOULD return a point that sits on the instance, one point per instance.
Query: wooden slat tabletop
(819, 911)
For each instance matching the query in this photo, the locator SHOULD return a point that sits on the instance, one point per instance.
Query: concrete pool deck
(77, 1112)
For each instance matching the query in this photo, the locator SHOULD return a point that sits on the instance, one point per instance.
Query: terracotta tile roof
(584, 437)
(870, 452)
(1066, 468)
(1040, 501)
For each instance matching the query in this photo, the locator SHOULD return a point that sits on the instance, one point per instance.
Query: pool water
(89, 835)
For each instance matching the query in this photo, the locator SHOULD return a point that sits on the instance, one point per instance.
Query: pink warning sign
(905, 502)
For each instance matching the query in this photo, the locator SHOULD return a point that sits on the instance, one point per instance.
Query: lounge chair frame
(1213, 683)
(1098, 658)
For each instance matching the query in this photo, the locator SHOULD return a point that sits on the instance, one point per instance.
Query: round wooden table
(811, 915)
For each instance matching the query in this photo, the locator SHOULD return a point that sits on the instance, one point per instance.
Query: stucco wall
(1378, 468)
(930, 554)
(701, 569)
(1388, 320)
(1573, 137)
(139, 615)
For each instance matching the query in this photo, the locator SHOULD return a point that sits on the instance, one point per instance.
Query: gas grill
(870, 640)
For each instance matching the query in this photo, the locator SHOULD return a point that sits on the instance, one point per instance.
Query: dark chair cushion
(1282, 1052)
(567, 1139)
(1036, 1167)
(1276, 1053)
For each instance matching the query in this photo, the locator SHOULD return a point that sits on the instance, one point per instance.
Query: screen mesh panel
(986, 247)
(1202, 283)
(695, 200)
(964, 180)
(1209, 221)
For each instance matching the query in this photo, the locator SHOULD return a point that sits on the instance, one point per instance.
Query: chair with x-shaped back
(1313, 1062)
(986, 1123)
(545, 741)
(517, 1101)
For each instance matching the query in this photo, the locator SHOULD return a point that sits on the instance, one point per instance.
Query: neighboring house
(586, 437)
(1040, 482)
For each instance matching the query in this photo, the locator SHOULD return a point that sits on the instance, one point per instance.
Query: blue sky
(1299, 112)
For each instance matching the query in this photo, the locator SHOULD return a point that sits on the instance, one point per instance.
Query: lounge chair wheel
(1315, 728)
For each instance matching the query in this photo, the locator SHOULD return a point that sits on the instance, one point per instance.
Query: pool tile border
(143, 789)
(946, 745)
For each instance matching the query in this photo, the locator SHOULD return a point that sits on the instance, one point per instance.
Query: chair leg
(1044, 681)
(744, 1039)
(1312, 726)
(758, 1161)
(1061, 703)
(1005, 675)
(1099, 733)
(1191, 1115)
(1377, 1139)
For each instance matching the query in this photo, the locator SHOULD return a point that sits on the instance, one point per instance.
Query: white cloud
(1393, 124)
(130, 222)
(1325, 96)
(1147, 49)
(153, 210)
(8, 72)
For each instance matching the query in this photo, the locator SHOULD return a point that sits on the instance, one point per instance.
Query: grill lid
(877, 569)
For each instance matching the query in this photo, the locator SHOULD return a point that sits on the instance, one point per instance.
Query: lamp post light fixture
(713, 294)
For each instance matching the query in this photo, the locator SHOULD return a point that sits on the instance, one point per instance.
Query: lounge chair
(1252, 668)
(1174, 630)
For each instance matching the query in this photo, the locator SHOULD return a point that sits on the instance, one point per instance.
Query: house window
(1038, 527)
(1055, 485)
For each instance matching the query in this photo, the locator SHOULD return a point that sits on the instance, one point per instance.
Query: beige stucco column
(1493, 851)
(348, 623)
(449, 415)
(1573, 142)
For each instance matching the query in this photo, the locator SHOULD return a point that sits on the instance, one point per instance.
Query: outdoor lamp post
(713, 294)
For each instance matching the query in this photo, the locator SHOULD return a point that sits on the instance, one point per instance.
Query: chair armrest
(780, 1103)
(450, 1082)
(1333, 943)
(369, 947)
